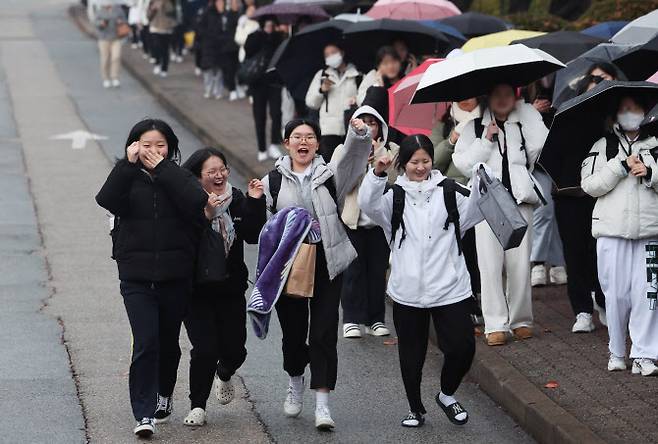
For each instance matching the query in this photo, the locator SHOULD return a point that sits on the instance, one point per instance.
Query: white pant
(511, 309)
(623, 277)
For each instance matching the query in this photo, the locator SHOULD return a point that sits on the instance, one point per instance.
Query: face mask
(630, 121)
(334, 60)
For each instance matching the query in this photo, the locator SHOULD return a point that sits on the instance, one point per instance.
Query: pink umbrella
(417, 118)
(653, 78)
(413, 9)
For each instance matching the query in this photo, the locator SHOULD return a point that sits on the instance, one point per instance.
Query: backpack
(275, 177)
(450, 190)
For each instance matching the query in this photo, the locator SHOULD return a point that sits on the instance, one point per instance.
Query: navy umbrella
(474, 24)
(563, 45)
(579, 123)
(604, 30)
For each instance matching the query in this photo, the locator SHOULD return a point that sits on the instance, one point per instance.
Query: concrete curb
(533, 410)
(79, 16)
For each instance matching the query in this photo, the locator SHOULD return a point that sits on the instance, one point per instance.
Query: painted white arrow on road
(78, 138)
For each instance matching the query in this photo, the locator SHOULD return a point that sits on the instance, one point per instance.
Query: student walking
(303, 179)
(622, 174)
(216, 320)
(107, 17)
(162, 21)
(423, 217)
(158, 210)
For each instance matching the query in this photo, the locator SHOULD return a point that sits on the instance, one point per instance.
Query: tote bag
(301, 279)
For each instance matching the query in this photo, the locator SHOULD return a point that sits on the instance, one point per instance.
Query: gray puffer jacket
(312, 194)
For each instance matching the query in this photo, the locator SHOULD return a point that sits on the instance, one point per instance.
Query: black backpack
(450, 190)
(275, 178)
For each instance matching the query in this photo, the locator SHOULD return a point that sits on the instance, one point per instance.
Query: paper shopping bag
(301, 279)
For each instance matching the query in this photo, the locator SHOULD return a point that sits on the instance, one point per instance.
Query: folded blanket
(278, 245)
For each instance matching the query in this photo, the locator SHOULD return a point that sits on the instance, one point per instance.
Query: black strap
(358, 79)
(397, 220)
(479, 128)
(275, 177)
(450, 190)
(611, 145)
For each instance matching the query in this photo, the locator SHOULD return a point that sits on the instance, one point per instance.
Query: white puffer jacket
(627, 206)
(426, 269)
(472, 149)
(338, 99)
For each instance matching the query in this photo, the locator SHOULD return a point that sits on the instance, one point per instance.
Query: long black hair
(294, 123)
(410, 145)
(146, 125)
(199, 157)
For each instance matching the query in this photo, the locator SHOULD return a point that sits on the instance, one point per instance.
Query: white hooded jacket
(426, 269)
(626, 206)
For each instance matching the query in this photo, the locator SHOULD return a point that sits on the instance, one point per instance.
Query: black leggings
(161, 45)
(454, 331)
(265, 95)
(216, 326)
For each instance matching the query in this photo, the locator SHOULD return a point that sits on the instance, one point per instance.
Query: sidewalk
(589, 405)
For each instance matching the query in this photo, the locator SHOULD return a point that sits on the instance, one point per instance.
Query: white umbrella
(475, 73)
(639, 31)
(354, 18)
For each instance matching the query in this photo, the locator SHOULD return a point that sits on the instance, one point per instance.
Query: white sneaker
(233, 96)
(378, 329)
(116, 83)
(196, 418)
(152, 60)
(107, 84)
(206, 95)
(323, 419)
(163, 74)
(645, 367)
(558, 275)
(600, 310)
(294, 402)
(198, 72)
(273, 151)
(584, 323)
(241, 92)
(616, 364)
(219, 96)
(157, 70)
(538, 275)
(262, 156)
(134, 46)
(224, 390)
(351, 331)
(145, 428)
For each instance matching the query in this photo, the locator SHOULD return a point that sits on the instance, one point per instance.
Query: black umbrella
(650, 122)
(362, 40)
(639, 62)
(579, 123)
(474, 24)
(301, 56)
(563, 45)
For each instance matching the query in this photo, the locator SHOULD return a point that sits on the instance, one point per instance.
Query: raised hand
(382, 164)
(132, 152)
(255, 189)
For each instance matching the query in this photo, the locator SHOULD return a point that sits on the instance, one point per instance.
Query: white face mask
(630, 121)
(334, 60)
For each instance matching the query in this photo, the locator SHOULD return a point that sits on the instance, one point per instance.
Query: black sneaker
(413, 419)
(163, 410)
(145, 428)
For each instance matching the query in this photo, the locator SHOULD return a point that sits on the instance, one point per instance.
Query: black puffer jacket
(160, 217)
(215, 33)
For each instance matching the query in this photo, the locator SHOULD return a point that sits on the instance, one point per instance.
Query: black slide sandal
(452, 411)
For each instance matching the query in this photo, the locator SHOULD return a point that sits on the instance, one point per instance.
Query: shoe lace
(163, 403)
(411, 417)
(293, 395)
(322, 410)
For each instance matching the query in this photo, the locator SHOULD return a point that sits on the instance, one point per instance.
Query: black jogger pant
(229, 65)
(454, 330)
(574, 222)
(147, 41)
(155, 311)
(364, 282)
(328, 144)
(265, 95)
(321, 330)
(216, 326)
(161, 44)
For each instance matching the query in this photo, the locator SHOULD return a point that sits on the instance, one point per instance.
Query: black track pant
(454, 330)
(321, 329)
(216, 326)
(265, 95)
(161, 45)
(155, 312)
(364, 282)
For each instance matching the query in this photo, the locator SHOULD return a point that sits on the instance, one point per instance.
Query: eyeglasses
(214, 173)
(297, 138)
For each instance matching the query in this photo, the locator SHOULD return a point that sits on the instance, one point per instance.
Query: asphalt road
(59, 287)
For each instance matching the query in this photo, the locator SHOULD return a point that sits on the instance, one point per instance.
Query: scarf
(461, 117)
(222, 221)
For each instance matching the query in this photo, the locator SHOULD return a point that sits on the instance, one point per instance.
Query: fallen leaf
(393, 341)
(552, 385)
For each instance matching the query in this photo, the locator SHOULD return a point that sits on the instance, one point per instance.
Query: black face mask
(596, 79)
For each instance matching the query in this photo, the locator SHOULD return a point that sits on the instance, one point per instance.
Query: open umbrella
(503, 38)
(448, 30)
(604, 30)
(650, 122)
(579, 123)
(408, 118)
(639, 31)
(354, 18)
(563, 45)
(474, 24)
(291, 12)
(362, 40)
(653, 78)
(413, 9)
(312, 2)
(639, 62)
(305, 46)
(475, 73)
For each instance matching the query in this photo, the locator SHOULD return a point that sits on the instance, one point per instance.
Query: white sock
(297, 383)
(321, 399)
(448, 401)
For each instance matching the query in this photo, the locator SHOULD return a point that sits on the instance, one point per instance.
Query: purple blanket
(278, 244)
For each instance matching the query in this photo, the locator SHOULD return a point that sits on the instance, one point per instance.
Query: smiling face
(419, 166)
(214, 175)
(153, 141)
(302, 145)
